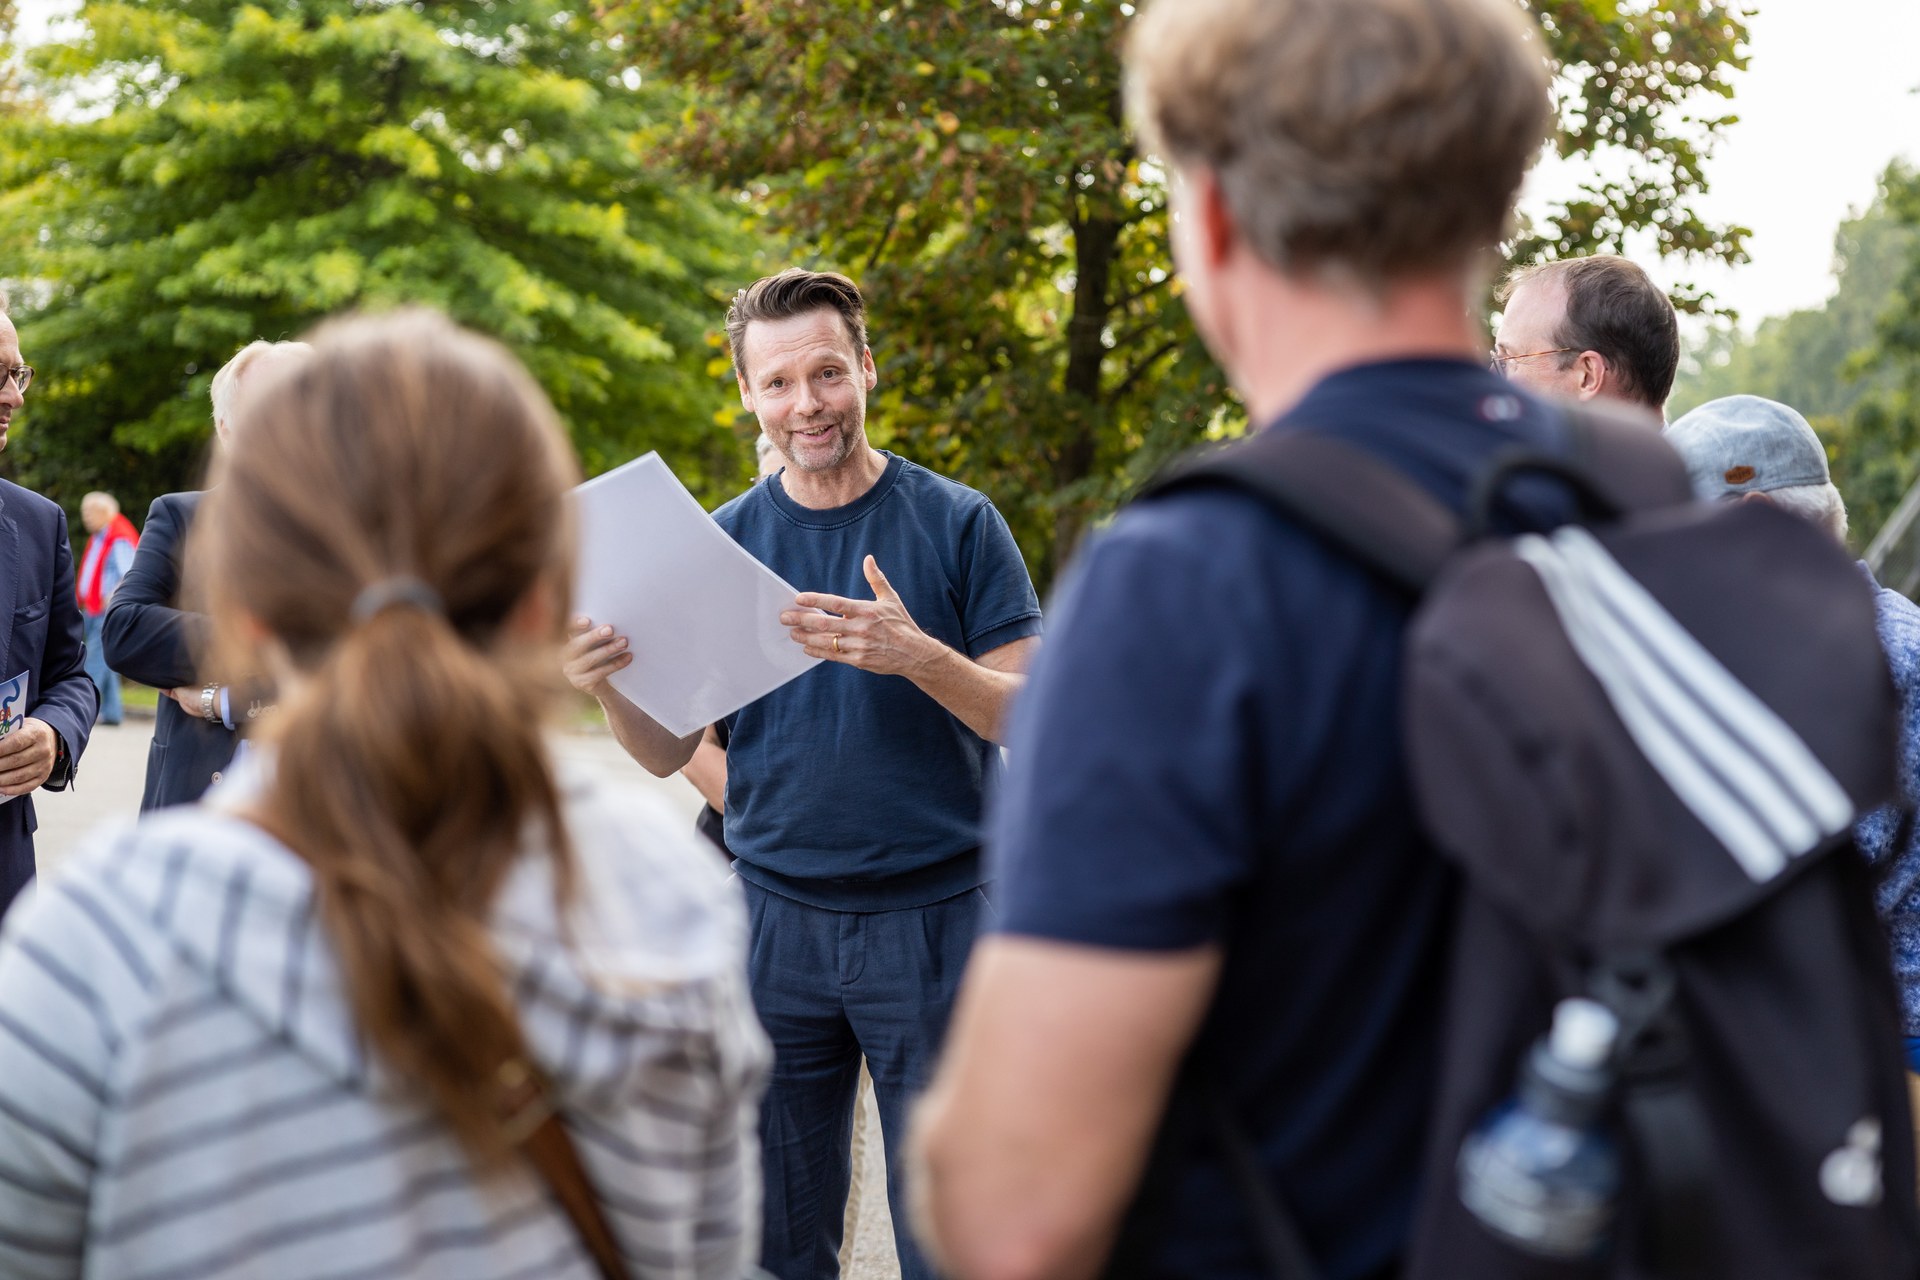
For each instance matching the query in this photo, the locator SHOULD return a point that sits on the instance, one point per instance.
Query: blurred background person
(364, 1007)
(766, 458)
(1746, 448)
(149, 634)
(111, 539)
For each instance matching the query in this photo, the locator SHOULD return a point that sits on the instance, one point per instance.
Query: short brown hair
(794, 292)
(1615, 309)
(1374, 139)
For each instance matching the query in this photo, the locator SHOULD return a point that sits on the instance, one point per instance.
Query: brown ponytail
(408, 768)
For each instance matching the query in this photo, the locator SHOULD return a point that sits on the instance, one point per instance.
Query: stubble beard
(846, 429)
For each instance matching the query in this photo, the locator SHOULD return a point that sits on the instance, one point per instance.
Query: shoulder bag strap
(1659, 1108)
(1199, 1117)
(1275, 1230)
(1367, 508)
(534, 1127)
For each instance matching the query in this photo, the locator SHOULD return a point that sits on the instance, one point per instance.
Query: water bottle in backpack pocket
(1543, 1170)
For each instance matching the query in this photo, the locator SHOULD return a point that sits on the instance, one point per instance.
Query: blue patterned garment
(1898, 620)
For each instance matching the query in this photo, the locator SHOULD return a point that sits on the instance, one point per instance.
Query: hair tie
(402, 588)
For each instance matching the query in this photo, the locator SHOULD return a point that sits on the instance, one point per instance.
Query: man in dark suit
(43, 670)
(150, 638)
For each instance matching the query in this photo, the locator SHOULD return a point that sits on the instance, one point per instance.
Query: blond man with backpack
(1423, 852)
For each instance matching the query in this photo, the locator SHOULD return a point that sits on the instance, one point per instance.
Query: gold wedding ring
(836, 642)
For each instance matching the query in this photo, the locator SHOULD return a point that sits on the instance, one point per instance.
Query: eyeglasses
(22, 375)
(1499, 363)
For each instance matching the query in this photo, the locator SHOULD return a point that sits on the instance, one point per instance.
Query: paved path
(113, 772)
(114, 769)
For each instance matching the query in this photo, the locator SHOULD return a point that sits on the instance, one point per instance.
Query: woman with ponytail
(402, 998)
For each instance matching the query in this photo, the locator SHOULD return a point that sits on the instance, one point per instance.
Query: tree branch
(1125, 339)
(880, 245)
(1143, 291)
(1139, 370)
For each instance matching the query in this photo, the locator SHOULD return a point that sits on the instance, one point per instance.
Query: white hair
(1820, 503)
(766, 458)
(226, 383)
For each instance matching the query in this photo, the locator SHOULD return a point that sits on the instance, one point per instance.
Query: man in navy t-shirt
(1205, 858)
(853, 794)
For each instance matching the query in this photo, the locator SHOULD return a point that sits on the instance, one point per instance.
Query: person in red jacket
(110, 543)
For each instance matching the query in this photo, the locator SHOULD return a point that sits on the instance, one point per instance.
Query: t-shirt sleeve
(1000, 605)
(1127, 816)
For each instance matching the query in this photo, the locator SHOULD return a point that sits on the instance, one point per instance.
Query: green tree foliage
(1878, 451)
(1640, 90)
(968, 162)
(216, 171)
(9, 64)
(1848, 364)
(1811, 358)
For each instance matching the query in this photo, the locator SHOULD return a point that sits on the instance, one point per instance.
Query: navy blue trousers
(830, 986)
(16, 869)
(16, 849)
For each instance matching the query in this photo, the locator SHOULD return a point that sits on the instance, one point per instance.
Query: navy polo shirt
(855, 791)
(1208, 753)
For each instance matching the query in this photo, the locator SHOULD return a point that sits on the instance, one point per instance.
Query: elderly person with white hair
(150, 637)
(1751, 449)
(111, 539)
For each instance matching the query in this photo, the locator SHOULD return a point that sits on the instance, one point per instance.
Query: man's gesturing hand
(592, 654)
(874, 635)
(26, 757)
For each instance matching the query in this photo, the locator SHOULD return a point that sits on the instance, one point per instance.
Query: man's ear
(746, 397)
(866, 367)
(1217, 228)
(1591, 367)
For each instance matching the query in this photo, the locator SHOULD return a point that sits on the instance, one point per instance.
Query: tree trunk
(1095, 242)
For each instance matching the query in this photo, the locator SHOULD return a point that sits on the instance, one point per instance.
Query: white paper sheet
(702, 616)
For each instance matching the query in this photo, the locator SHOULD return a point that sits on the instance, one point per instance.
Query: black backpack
(1643, 739)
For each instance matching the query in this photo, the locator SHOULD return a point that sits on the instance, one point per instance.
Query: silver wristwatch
(210, 704)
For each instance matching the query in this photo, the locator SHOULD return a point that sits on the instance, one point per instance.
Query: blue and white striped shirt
(183, 1095)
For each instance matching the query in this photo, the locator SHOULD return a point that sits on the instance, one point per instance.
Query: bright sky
(1827, 100)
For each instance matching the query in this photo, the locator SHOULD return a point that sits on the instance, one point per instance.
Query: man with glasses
(1588, 327)
(47, 701)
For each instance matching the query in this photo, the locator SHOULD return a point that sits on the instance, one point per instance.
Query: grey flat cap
(1747, 444)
